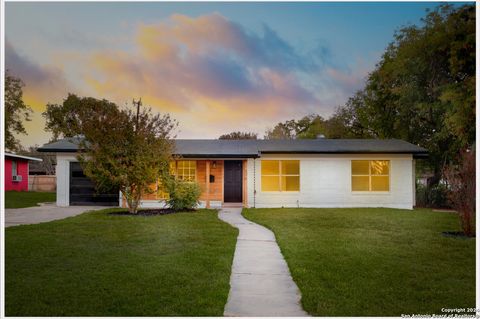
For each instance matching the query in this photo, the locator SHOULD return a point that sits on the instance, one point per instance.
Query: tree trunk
(133, 197)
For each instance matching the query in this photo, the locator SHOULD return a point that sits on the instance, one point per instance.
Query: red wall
(22, 170)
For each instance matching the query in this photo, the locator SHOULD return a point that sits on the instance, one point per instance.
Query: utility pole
(137, 103)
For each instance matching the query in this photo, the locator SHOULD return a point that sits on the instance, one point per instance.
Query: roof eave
(218, 155)
(28, 158)
(56, 150)
(346, 152)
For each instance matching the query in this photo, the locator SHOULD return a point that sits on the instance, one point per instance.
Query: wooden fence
(42, 183)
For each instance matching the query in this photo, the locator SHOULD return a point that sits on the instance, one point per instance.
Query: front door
(232, 187)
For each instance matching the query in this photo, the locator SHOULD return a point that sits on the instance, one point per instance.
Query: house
(269, 173)
(17, 171)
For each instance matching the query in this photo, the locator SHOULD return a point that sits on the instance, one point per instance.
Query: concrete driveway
(44, 213)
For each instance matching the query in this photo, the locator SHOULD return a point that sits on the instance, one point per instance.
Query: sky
(215, 67)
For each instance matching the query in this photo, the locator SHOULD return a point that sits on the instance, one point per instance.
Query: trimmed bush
(183, 195)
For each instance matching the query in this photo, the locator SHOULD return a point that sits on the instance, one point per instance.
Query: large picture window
(371, 176)
(278, 176)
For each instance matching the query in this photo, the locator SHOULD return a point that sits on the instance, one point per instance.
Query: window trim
(370, 192)
(280, 175)
(14, 165)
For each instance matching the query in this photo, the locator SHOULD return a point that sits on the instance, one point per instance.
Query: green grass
(97, 264)
(374, 262)
(15, 199)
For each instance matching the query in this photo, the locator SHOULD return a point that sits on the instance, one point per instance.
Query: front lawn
(15, 199)
(374, 262)
(97, 264)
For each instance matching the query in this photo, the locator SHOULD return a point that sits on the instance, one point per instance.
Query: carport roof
(254, 148)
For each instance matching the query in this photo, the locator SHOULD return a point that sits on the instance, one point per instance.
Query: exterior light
(214, 164)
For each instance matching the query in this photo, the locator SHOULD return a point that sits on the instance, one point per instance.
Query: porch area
(223, 182)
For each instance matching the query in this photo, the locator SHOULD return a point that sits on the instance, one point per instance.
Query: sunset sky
(215, 67)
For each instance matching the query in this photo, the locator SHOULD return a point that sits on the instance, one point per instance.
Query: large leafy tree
(308, 127)
(124, 149)
(281, 131)
(423, 88)
(16, 111)
(67, 119)
(239, 136)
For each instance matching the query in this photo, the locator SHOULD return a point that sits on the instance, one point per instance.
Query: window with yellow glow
(280, 176)
(186, 170)
(161, 191)
(173, 168)
(371, 176)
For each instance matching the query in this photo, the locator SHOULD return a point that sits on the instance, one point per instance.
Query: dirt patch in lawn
(153, 212)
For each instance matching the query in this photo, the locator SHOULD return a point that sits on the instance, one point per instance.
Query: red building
(16, 172)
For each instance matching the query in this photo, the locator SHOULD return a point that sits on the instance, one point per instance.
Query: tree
(462, 190)
(308, 127)
(67, 119)
(16, 111)
(423, 88)
(47, 164)
(281, 131)
(239, 136)
(123, 149)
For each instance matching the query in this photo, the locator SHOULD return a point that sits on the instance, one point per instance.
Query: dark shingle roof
(254, 148)
(69, 144)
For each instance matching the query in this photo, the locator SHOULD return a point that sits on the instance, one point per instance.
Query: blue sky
(201, 62)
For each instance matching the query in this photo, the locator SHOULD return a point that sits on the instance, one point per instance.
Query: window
(186, 170)
(14, 168)
(371, 176)
(186, 175)
(161, 191)
(172, 165)
(280, 176)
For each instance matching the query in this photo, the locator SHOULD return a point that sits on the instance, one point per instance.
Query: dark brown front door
(232, 187)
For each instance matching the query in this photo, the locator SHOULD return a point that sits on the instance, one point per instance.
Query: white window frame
(280, 175)
(14, 168)
(370, 191)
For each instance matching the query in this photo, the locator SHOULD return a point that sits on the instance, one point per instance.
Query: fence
(42, 183)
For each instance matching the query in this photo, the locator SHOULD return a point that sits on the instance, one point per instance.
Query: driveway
(44, 213)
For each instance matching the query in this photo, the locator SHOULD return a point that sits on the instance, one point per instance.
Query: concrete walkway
(44, 213)
(260, 284)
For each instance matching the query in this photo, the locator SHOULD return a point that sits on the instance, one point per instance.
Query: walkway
(260, 284)
(44, 213)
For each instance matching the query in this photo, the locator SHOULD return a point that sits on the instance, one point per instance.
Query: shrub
(434, 197)
(183, 195)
